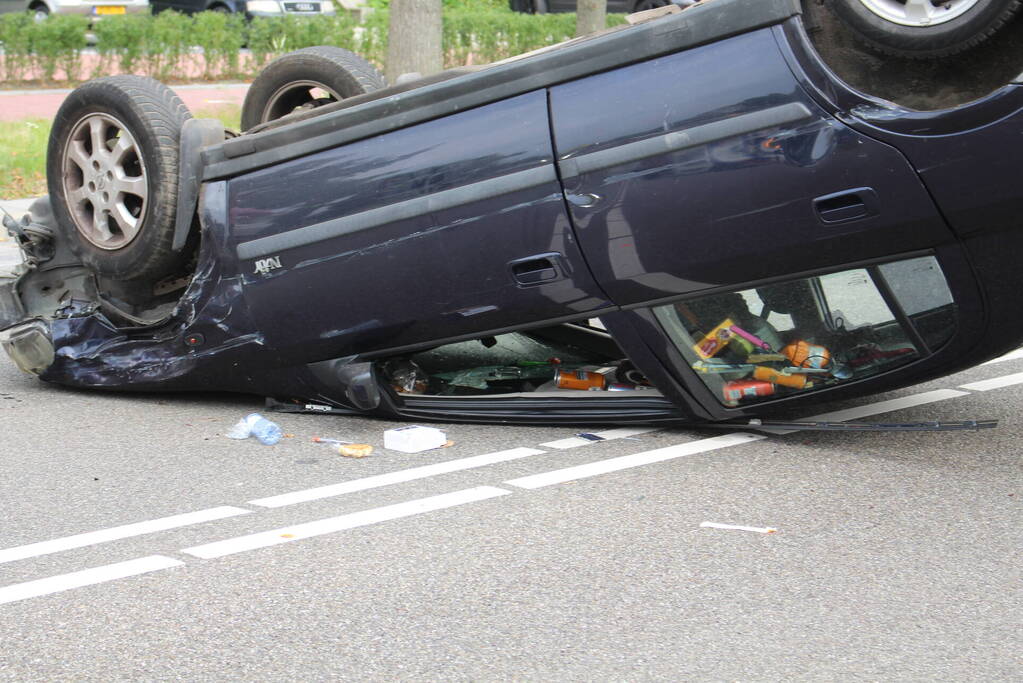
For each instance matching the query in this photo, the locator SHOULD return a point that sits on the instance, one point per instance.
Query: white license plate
(305, 7)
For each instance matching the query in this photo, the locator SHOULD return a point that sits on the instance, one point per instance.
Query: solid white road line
(635, 460)
(394, 477)
(86, 577)
(609, 435)
(349, 521)
(1012, 355)
(876, 408)
(994, 382)
(118, 532)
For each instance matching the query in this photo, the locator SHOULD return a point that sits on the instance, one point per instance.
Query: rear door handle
(537, 270)
(847, 205)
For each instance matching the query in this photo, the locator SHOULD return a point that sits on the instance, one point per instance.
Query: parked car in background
(919, 29)
(101, 8)
(617, 6)
(251, 8)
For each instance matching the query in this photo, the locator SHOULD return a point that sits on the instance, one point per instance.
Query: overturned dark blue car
(688, 219)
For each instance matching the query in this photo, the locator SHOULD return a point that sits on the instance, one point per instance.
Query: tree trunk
(591, 16)
(414, 36)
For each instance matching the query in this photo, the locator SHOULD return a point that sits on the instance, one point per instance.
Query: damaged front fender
(59, 321)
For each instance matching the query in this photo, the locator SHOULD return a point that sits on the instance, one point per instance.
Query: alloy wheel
(105, 181)
(919, 12)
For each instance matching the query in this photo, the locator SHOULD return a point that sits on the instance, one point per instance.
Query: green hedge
(38, 49)
(170, 46)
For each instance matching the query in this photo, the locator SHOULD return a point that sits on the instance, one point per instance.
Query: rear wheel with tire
(924, 28)
(307, 78)
(643, 5)
(112, 173)
(40, 12)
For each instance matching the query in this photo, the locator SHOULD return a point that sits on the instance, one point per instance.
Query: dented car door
(707, 198)
(679, 180)
(447, 229)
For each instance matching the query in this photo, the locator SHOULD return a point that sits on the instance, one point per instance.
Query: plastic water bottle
(267, 432)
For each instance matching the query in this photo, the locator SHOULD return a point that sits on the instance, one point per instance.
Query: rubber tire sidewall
(148, 257)
(305, 65)
(654, 4)
(950, 37)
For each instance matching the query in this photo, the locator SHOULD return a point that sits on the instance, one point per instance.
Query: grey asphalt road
(896, 556)
(138, 543)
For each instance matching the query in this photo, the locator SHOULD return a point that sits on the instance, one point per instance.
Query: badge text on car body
(265, 265)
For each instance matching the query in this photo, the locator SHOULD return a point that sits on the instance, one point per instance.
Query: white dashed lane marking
(877, 408)
(116, 533)
(1012, 355)
(154, 563)
(395, 477)
(86, 577)
(635, 460)
(349, 521)
(609, 435)
(994, 383)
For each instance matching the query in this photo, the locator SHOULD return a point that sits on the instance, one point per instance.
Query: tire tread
(158, 115)
(942, 45)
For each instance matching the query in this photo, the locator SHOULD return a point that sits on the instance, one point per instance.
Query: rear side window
(799, 336)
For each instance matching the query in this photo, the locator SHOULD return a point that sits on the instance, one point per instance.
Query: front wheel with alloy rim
(924, 28)
(112, 172)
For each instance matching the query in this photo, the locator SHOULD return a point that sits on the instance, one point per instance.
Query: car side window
(794, 337)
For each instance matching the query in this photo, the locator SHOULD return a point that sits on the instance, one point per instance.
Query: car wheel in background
(642, 5)
(924, 28)
(521, 6)
(39, 12)
(307, 78)
(112, 171)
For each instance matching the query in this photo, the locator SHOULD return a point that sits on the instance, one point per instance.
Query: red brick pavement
(43, 104)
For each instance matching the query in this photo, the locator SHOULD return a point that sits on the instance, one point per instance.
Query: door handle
(848, 205)
(537, 270)
(583, 201)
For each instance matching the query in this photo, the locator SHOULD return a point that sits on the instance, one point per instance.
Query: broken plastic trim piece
(272, 404)
(35, 241)
(935, 426)
(195, 134)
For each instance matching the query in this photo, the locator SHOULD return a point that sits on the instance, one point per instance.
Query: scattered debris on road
(355, 450)
(414, 439)
(254, 424)
(758, 529)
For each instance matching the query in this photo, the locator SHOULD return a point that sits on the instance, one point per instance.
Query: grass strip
(23, 161)
(23, 150)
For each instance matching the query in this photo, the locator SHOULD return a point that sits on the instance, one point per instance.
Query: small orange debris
(355, 450)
